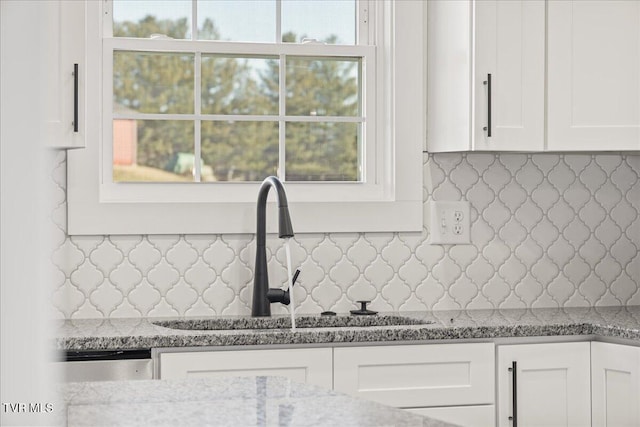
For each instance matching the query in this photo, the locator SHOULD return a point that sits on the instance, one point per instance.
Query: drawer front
(311, 366)
(465, 416)
(105, 370)
(418, 375)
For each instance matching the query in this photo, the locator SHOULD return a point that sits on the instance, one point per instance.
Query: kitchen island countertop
(231, 401)
(139, 333)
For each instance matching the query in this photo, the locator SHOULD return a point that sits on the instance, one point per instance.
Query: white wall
(24, 281)
(548, 230)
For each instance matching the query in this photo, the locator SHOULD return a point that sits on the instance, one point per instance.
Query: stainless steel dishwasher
(105, 365)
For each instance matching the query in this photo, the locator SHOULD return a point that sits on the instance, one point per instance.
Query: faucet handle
(295, 277)
(280, 295)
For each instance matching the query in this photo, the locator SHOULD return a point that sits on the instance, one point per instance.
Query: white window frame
(389, 199)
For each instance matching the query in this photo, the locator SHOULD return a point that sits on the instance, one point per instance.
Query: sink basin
(285, 322)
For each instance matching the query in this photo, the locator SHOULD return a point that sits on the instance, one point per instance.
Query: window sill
(240, 218)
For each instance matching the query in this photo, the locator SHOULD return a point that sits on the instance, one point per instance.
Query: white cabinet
(459, 376)
(486, 75)
(594, 75)
(307, 365)
(509, 51)
(63, 39)
(553, 384)
(583, 56)
(550, 384)
(452, 382)
(615, 382)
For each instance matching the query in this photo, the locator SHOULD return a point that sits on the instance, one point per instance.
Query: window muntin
(389, 199)
(318, 83)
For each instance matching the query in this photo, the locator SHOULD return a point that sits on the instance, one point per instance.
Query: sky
(253, 20)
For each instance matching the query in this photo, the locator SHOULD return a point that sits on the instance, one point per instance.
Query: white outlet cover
(443, 220)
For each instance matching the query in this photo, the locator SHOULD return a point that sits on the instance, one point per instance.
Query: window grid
(389, 201)
(282, 126)
(198, 47)
(197, 143)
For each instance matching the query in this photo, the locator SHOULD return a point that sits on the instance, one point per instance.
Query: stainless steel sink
(285, 322)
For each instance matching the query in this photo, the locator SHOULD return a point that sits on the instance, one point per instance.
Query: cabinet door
(449, 76)
(410, 376)
(594, 75)
(509, 46)
(311, 365)
(615, 382)
(552, 384)
(63, 89)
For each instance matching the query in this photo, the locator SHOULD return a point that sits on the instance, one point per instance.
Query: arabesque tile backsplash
(547, 230)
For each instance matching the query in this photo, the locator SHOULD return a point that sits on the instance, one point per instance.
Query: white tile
(379, 272)
(326, 254)
(87, 277)
(546, 229)
(593, 176)
(361, 253)
(144, 297)
(163, 277)
(396, 253)
(106, 298)
(344, 273)
(181, 297)
(413, 272)
(395, 293)
(106, 257)
(199, 276)
(125, 276)
(182, 256)
(219, 255)
(145, 256)
(218, 296)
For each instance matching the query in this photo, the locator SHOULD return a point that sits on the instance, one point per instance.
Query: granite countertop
(107, 334)
(232, 401)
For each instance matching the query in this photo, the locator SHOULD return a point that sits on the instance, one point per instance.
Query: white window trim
(393, 202)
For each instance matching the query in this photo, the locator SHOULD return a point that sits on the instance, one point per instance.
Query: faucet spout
(261, 306)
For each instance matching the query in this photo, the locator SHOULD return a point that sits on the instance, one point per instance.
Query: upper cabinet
(63, 36)
(593, 75)
(508, 77)
(486, 75)
(533, 76)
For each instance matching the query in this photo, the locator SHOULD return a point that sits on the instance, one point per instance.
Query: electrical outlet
(450, 223)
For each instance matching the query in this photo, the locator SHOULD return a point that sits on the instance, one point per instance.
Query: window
(275, 94)
(202, 100)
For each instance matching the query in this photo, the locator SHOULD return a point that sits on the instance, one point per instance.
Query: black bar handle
(295, 277)
(75, 98)
(488, 84)
(514, 394)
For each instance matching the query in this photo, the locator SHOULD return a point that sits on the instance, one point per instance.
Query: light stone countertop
(232, 401)
(141, 333)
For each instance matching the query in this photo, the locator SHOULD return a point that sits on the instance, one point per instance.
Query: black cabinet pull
(75, 98)
(488, 84)
(514, 395)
